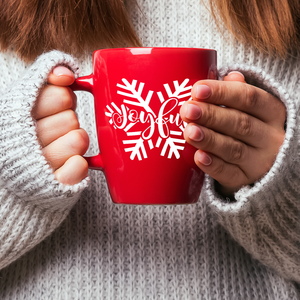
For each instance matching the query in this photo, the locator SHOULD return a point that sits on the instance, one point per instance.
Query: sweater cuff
(264, 218)
(24, 170)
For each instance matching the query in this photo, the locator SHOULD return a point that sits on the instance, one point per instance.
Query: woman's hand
(58, 131)
(237, 143)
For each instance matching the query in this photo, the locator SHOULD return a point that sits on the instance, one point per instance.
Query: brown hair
(32, 27)
(76, 26)
(271, 26)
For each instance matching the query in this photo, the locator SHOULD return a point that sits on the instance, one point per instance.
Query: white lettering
(164, 117)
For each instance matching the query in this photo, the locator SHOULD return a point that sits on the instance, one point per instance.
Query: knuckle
(281, 113)
(71, 119)
(83, 163)
(251, 100)
(220, 91)
(210, 116)
(243, 126)
(219, 169)
(66, 97)
(210, 140)
(277, 137)
(80, 162)
(280, 138)
(236, 153)
(78, 141)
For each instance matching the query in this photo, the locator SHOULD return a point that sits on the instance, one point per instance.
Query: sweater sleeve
(32, 202)
(264, 218)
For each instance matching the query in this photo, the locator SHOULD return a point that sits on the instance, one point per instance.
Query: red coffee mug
(137, 94)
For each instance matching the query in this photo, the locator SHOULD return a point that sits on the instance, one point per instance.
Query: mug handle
(85, 83)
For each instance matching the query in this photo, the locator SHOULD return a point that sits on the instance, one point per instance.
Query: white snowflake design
(136, 113)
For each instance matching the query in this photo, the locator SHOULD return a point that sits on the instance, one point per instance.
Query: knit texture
(33, 203)
(248, 249)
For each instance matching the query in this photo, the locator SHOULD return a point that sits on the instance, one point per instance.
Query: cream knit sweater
(72, 242)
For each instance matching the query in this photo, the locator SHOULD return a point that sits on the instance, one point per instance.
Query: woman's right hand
(58, 131)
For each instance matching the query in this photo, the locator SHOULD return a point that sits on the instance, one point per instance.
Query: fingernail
(202, 91)
(62, 71)
(236, 72)
(192, 112)
(195, 133)
(203, 158)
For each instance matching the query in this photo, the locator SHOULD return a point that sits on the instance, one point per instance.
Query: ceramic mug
(138, 93)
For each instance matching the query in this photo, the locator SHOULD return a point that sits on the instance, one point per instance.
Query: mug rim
(148, 50)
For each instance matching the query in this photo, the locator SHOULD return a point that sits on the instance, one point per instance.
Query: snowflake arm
(174, 148)
(180, 91)
(136, 94)
(138, 150)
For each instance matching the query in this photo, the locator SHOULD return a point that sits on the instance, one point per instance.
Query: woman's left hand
(238, 129)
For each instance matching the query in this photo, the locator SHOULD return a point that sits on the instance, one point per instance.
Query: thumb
(235, 76)
(61, 76)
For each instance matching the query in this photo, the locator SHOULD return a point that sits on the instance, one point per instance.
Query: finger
(72, 171)
(243, 97)
(225, 147)
(235, 76)
(230, 122)
(61, 76)
(228, 175)
(73, 143)
(53, 99)
(55, 126)
(252, 161)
